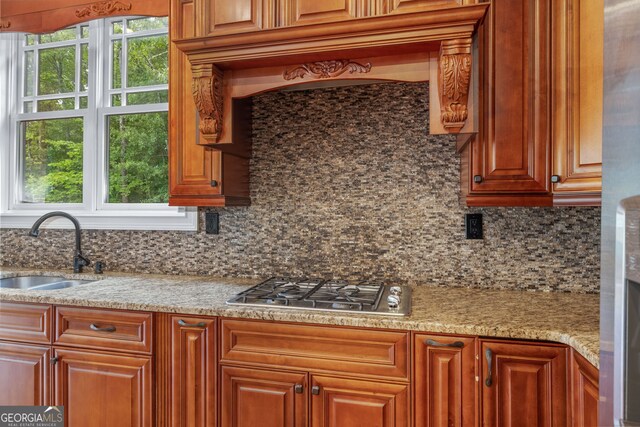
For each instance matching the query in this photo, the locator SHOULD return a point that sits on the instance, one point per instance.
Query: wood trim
(508, 199)
(374, 36)
(577, 199)
(162, 356)
(26, 322)
(44, 16)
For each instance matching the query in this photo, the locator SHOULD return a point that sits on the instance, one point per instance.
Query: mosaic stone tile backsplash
(347, 183)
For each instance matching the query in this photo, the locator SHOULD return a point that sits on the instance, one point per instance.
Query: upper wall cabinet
(540, 132)
(224, 52)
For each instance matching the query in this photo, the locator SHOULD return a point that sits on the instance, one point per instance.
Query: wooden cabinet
(508, 160)
(445, 386)
(296, 12)
(577, 99)
(193, 371)
(25, 374)
(541, 103)
(337, 402)
(25, 322)
(584, 392)
(198, 175)
(524, 384)
(101, 389)
(225, 17)
(252, 397)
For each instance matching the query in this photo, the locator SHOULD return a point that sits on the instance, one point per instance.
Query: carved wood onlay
(326, 69)
(103, 8)
(207, 93)
(454, 76)
(5, 25)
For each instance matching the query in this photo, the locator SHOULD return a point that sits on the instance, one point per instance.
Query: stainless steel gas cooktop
(328, 295)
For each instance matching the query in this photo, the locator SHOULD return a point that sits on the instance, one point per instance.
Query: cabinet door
(524, 385)
(296, 12)
(101, 389)
(578, 29)
(510, 155)
(445, 381)
(255, 397)
(337, 402)
(235, 16)
(24, 375)
(193, 372)
(192, 167)
(584, 392)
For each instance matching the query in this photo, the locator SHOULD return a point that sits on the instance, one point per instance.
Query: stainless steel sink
(60, 285)
(41, 283)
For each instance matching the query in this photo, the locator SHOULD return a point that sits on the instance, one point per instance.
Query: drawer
(363, 352)
(25, 322)
(104, 329)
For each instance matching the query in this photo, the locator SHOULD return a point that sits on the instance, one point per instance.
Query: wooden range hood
(420, 45)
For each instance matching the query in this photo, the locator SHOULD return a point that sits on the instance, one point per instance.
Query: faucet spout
(79, 260)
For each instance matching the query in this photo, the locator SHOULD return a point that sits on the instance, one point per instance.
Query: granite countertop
(572, 319)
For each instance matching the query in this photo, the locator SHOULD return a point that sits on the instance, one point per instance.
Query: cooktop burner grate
(332, 295)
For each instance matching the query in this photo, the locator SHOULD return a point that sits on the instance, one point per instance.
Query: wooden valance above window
(44, 16)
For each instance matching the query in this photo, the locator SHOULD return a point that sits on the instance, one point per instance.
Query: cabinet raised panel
(578, 99)
(193, 373)
(445, 386)
(100, 389)
(255, 397)
(25, 322)
(338, 402)
(524, 385)
(24, 375)
(513, 144)
(584, 392)
(235, 16)
(297, 12)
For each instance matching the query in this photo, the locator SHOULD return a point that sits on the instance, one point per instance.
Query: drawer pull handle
(489, 355)
(315, 390)
(96, 328)
(299, 388)
(191, 325)
(455, 344)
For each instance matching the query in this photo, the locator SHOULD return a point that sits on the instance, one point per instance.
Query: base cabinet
(25, 375)
(445, 386)
(524, 385)
(337, 402)
(193, 371)
(584, 392)
(101, 389)
(256, 397)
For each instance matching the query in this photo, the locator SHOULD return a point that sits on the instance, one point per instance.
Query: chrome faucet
(79, 260)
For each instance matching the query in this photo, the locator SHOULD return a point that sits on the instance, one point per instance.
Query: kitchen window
(84, 127)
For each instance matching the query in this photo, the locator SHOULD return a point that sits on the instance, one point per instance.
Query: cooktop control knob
(395, 290)
(393, 301)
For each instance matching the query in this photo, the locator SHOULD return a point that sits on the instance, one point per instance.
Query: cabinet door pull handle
(298, 388)
(315, 390)
(191, 325)
(54, 360)
(96, 328)
(455, 344)
(489, 355)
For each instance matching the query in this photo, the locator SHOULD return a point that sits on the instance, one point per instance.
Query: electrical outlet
(211, 223)
(473, 225)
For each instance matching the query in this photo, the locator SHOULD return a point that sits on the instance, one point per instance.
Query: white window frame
(94, 212)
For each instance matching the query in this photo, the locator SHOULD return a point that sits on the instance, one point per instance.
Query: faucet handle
(98, 267)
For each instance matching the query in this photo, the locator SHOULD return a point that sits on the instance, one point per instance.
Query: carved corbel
(5, 25)
(207, 93)
(454, 75)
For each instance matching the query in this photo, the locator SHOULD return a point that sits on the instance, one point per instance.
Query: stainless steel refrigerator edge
(621, 179)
